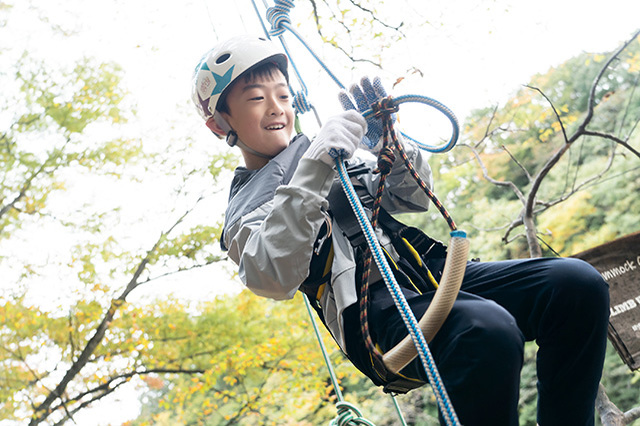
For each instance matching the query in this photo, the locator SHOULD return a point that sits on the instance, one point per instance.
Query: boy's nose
(274, 107)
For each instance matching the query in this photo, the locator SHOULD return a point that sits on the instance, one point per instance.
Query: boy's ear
(215, 127)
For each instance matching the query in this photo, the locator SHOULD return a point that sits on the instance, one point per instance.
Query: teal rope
(348, 414)
(332, 374)
(397, 407)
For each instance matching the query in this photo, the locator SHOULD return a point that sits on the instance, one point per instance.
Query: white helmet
(223, 64)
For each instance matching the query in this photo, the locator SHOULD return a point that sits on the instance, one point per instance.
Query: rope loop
(349, 415)
(278, 17)
(384, 107)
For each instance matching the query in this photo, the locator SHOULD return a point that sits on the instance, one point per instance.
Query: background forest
(101, 304)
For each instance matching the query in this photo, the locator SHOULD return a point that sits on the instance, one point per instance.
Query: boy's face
(261, 114)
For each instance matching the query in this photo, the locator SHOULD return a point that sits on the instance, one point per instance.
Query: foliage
(264, 367)
(251, 373)
(591, 188)
(240, 359)
(68, 161)
(45, 122)
(589, 198)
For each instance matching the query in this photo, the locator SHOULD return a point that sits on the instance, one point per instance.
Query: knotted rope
(386, 158)
(349, 415)
(384, 109)
(278, 17)
(300, 102)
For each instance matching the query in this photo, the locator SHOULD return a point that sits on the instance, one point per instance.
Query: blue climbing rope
(438, 106)
(398, 297)
(278, 17)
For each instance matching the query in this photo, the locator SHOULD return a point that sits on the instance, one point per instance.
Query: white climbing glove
(361, 99)
(339, 136)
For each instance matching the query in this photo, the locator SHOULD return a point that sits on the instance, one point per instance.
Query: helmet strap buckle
(232, 138)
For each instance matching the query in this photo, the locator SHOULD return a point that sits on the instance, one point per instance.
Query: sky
(471, 53)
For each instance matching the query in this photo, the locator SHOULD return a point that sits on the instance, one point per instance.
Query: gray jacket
(275, 214)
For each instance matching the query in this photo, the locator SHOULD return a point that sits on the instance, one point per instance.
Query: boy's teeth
(275, 127)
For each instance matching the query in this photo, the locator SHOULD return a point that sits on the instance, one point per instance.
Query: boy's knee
(498, 331)
(578, 281)
(486, 353)
(490, 334)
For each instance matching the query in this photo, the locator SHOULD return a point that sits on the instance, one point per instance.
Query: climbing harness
(453, 273)
(419, 332)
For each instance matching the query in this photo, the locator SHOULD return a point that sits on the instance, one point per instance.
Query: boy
(285, 229)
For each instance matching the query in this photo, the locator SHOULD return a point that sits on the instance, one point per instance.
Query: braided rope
(386, 158)
(278, 17)
(455, 133)
(364, 287)
(400, 301)
(436, 202)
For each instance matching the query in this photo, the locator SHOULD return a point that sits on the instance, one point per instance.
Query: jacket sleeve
(273, 245)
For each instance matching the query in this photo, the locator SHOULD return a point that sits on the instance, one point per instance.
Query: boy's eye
(256, 98)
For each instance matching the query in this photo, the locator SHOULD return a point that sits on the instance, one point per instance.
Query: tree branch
(592, 93)
(529, 221)
(610, 415)
(316, 18)
(614, 139)
(54, 155)
(96, 339)
(515, 160)
(375, 18)
(489, 179)
(109, 387)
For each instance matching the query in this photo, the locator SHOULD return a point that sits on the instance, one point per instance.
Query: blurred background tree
(81, 312)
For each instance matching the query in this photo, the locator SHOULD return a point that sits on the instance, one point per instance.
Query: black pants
(562, 304)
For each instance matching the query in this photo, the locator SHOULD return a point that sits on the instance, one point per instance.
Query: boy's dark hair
(262, 70)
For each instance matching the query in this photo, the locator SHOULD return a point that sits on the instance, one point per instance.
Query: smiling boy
(259, 107)
(286, 231)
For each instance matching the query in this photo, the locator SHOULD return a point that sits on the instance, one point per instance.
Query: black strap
(343, 213)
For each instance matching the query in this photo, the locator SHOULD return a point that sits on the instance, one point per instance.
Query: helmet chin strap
(233, 140)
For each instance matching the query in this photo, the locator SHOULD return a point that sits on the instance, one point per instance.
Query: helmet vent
(223, 58)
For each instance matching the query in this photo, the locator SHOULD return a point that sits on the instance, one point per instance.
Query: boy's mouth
(278, 126)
